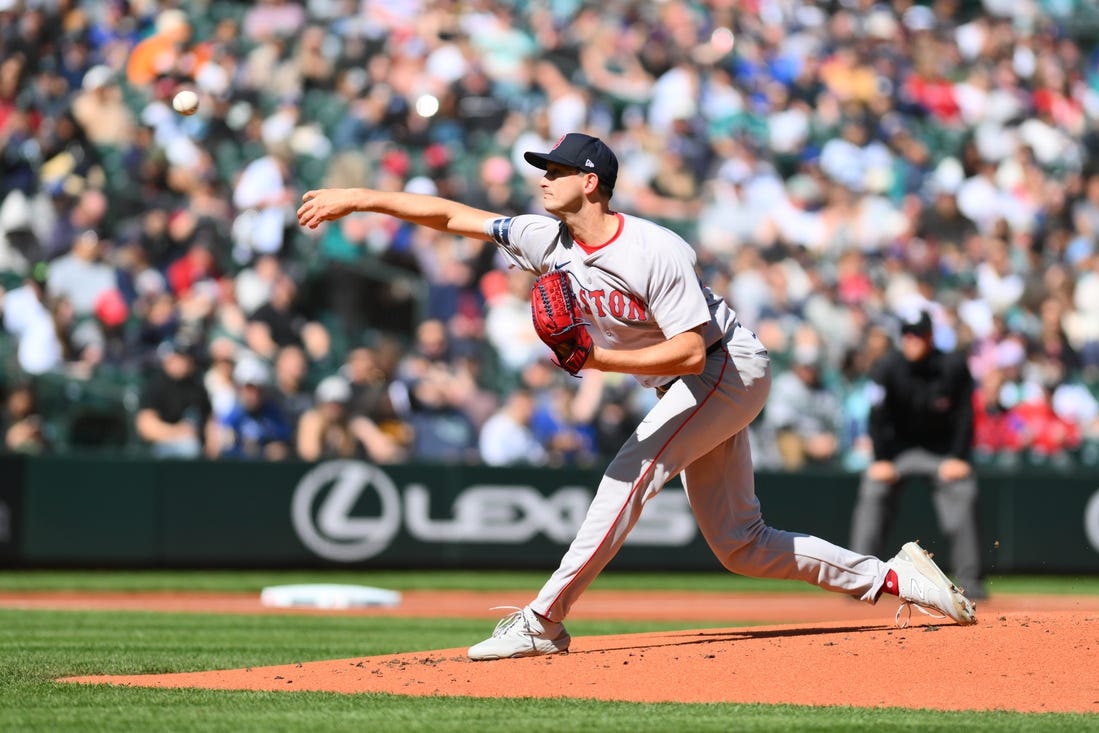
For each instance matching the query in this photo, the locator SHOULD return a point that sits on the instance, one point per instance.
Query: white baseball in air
(722, 40)
(185, 102)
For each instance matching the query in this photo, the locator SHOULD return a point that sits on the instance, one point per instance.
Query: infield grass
(252, 581)
(36, 647)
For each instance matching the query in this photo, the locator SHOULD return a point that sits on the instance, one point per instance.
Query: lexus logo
(323, 510)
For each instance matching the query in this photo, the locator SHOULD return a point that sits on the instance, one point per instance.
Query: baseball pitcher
(619, 293)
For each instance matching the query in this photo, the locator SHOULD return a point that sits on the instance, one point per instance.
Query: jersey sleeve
(527, 240)
(676, 299)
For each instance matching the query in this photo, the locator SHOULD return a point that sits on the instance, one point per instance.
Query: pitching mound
(1029, 662)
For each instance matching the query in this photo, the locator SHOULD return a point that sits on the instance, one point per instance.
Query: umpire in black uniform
(921, 425)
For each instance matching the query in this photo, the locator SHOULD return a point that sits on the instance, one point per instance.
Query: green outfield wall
(95, 512)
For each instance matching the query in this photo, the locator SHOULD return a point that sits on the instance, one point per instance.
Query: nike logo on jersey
(559, 265)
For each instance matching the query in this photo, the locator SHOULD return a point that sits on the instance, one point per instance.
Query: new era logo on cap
(584, 152)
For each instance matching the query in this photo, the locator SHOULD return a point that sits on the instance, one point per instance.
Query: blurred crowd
(833, 163)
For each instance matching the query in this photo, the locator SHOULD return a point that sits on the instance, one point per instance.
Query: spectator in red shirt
(197, 264)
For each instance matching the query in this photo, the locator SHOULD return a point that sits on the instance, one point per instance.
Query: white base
(328, 595)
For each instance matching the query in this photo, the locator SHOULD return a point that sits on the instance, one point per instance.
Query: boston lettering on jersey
(614, 303)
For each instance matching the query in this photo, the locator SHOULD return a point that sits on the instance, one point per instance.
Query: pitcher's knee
(735, 563)
(741, 554)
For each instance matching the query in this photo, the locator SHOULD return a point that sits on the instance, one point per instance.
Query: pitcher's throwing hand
(327, 204)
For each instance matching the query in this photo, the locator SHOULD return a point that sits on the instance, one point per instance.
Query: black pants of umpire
(955, 504)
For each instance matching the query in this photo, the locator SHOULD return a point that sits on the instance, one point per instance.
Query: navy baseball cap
(576, 150)
(917, 323)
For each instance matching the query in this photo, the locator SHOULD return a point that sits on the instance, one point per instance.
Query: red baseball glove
(559, 321)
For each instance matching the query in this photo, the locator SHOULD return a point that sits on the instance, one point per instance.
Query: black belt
(713, 348)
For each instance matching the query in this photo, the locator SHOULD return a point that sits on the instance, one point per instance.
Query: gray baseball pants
(699, 429)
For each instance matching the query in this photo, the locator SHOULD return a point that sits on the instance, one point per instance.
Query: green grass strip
(254, 581)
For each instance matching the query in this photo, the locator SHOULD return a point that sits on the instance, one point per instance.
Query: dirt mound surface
(1038, 659)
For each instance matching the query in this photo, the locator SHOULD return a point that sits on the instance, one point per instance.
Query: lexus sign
(329, 515)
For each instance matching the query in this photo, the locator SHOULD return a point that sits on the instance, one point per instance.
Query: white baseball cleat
(522, 634)
(925, 586)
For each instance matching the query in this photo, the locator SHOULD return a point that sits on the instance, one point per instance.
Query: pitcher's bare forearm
(684, 353)
(329, 204)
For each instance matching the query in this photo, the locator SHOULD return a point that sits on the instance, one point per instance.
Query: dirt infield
(1030, 654)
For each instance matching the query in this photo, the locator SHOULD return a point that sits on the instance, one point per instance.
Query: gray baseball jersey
(639, 289)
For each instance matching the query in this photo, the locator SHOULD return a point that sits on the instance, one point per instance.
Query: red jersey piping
(588, 249)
